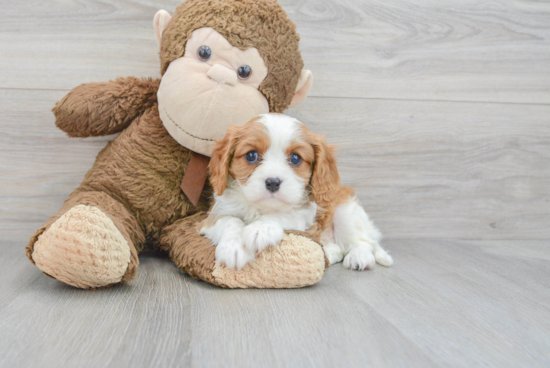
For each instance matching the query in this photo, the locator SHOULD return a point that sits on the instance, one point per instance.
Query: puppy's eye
(295, 159)
(244, 72)
(252, 157)
(204, 52)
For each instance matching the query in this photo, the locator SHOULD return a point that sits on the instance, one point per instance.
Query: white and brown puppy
(273, 174)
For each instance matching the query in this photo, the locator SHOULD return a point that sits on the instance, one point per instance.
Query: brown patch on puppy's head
(221, 158)
(304, 149)
(254, 137)
(229, 155)
(262, 24)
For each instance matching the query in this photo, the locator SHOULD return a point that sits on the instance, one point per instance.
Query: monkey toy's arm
(95, 109)
(298, 261)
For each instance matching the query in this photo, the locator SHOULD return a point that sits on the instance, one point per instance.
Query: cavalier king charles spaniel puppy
(273, 174)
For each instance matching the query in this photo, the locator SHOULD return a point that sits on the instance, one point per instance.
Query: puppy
(273, 174)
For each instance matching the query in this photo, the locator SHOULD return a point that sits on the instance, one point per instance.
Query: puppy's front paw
(231, 252)
(334, 253)
(259, 235)
(359, 259)
(383, 258)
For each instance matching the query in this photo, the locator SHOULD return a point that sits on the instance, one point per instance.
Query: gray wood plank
(465, 319)
(143, 323)
(444, 303)
(422, 169)
(494, 51)
(421, 49)
(17, 273)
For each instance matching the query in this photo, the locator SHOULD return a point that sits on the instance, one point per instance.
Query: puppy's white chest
(299, 219)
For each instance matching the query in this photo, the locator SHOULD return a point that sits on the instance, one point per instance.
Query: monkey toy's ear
(302, 89)
(162, 18)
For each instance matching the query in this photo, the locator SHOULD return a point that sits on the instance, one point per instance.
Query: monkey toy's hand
(96, 109)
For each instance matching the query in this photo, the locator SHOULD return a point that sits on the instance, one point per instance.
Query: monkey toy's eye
(295, 159)
(244, 72)
(252, 157)
(204, 52)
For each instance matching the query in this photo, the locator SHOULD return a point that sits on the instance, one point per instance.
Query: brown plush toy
(223, 62)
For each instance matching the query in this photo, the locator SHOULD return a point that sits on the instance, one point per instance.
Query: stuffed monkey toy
(222, 63)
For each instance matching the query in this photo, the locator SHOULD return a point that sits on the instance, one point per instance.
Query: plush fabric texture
(296, 262)
(96, 109)
(192, 253)
(244, 23)
(83, 248)
(124, 221)
(184, 87)
(141, 170)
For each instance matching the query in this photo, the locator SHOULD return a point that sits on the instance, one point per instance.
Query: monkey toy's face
(215, 84)
(212, 86)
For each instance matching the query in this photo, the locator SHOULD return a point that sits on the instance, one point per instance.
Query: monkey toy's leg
(91, 242)
(297, 262)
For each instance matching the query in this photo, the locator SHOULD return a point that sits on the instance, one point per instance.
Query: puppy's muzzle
(272, 184)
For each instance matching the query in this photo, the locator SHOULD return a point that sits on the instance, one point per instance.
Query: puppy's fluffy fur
(303, 193)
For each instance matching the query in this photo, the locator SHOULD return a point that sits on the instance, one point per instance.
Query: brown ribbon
(194, 177)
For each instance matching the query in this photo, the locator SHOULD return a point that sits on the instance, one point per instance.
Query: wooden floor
(441, 110)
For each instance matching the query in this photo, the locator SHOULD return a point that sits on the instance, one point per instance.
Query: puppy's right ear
(221, 159)
(325, 178)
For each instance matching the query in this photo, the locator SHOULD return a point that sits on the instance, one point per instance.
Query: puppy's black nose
(272, 184)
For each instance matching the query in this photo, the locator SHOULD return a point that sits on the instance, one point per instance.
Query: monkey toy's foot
(83, 248)
(296, 262)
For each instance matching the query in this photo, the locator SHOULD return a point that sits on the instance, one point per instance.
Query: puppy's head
(276, 162)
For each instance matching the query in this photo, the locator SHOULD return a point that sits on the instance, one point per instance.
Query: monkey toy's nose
(222, 74)
(272, 184)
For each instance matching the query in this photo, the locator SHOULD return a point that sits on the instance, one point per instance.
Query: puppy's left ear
(221, 158)
(325, 178)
